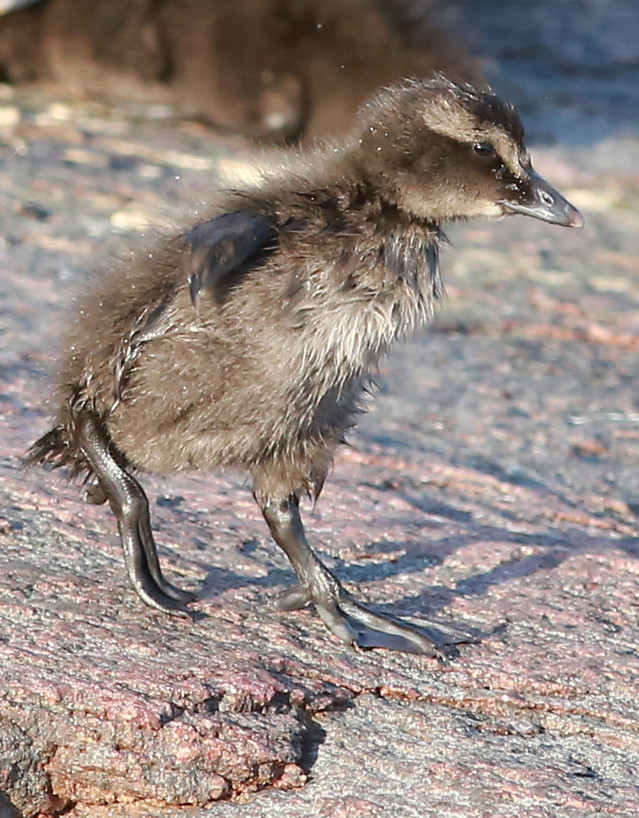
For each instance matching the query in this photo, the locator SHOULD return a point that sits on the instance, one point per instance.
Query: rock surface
(494, 483)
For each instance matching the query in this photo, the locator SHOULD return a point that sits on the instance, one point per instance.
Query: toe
(291, 599)
(356, 625)
(179, 594)
(155, 596)
(407, 642)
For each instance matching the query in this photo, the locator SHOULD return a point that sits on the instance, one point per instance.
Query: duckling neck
(362, 235)
(398, 244)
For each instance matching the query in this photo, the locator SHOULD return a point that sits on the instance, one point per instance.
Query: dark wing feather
(222, 247)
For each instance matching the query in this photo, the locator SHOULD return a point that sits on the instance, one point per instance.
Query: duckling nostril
(546, 198)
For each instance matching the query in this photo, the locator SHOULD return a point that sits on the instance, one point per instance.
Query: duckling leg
(347, 619)
(131, 508)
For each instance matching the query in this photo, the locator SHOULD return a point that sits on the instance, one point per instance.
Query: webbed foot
(349, 620)
(359, 626)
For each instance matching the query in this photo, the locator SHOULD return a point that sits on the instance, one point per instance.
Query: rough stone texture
(495, 483)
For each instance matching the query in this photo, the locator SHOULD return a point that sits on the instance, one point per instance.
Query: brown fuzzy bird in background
(273, 70)
(247, 340)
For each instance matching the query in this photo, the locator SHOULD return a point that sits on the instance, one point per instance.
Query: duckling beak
(543, 202)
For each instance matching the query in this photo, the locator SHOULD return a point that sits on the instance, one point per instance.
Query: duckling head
(442, 150)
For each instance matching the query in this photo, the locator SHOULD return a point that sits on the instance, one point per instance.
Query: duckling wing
(220, 249)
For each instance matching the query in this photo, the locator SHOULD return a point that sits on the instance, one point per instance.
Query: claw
(442, 635)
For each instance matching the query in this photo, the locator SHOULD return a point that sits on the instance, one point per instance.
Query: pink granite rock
(496, 484)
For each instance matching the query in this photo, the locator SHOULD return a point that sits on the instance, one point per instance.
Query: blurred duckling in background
(273, 70)
(248, 339)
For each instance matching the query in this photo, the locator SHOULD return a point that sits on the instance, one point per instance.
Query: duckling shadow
(436, 598)
(219, 581)
(552, 548)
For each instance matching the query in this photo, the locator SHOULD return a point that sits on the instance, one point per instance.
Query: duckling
(247, 340)
(272, 70)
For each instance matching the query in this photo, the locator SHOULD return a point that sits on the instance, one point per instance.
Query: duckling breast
(366, 294)
(281, 358)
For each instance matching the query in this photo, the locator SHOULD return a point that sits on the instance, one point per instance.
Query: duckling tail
(51, 450)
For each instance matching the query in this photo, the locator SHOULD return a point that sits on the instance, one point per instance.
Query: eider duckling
(272, 70)
(248, 339)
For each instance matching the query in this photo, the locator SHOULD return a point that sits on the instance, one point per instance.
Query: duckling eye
(484, 149)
